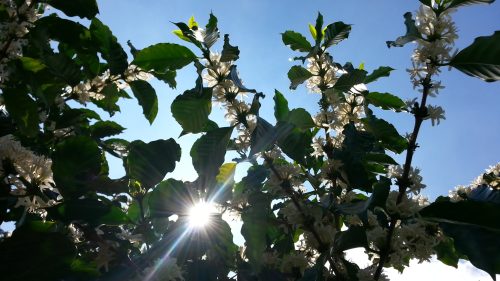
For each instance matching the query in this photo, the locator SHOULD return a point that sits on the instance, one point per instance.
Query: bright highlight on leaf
(199, 215)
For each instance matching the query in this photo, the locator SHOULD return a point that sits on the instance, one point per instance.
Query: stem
(404, 182)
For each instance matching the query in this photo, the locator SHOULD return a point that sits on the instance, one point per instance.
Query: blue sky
(450, 154)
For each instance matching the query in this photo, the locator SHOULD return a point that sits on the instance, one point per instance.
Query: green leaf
(50, 254)
(208, 151)
(76, 163)
(257, 224)
(170, 197)
(110, 49)
(477, 243)
(191, 110)
(167, 77)
(109, 102)
(64, 68)
(31, 64)
(336, 32)
(164, 56)
(150, 162)
(312, 30)
(300, 118)
(447, 253)
(91, 211)
(350, 79)
(411, 34)
(294, 142)
(224, 183)
(102, 129)
(458, 3)
(81, 8)
(464, 212)
(481, 59)
(146, 96)
(23, 109)
(296, 41)
(211, 32)
(382, 71)
(386, 133)
(192, 22)
(280, 106)
(263, 136)
(180, 34)
(229, 53)
(385, 101)
(319, 28)
(354, 237)
(380, 158)
(297, 75)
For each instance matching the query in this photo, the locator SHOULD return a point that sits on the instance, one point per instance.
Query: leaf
(296, 41)
(23, 109)
(170, 197)
(280, 106)
(350, 79)
(191, 110)
(380, 158)
(31, 64)
(336, 32)
(109, 47)
(478, 244)
(297, 75)
(382, 71)
(91, 211)
(81, 8)
(312, 30)
(319, 28)
(458, 3)
(300, 118)
(146, 96)
(211, 32)
(353, 237)
(49, 258)
(109, 102)
(446, 252)
(465, 213)
(294, 142)
(263, 136)
(481, 59)
(102, 129)
(224, 183)
(256, 227)
(164, 56)
(229, 53)
(386, 133)
(63, 68)
(385, 101)
(208, 151)
(411, 34)
(150, 162)
(76, 163)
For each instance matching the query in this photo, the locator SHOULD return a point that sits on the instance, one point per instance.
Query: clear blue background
(450, 154)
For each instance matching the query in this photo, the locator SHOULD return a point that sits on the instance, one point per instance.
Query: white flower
(324, 73)
(435, 113)
(317, 145)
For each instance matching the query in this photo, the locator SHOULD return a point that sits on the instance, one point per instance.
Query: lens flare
(199, 214)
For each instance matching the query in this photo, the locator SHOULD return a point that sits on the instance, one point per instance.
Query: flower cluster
(13, 30)
(231, 97)
(92, 89)
(416, 185)
(324, 71)
(28, 169)
(490, 179)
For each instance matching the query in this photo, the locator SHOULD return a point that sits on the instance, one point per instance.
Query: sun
(199, 215)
